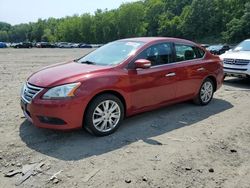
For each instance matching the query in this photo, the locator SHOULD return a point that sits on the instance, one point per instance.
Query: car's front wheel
(104, 115)
(206, 92)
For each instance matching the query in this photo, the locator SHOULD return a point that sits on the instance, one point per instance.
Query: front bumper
(236, 70)
(64, 114)
(236, 73)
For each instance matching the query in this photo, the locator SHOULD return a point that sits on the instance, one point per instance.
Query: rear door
(191, 69)
(156, 85)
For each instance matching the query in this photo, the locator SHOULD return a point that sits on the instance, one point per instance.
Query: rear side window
(200, 52)
(186, 52)
(158, 54)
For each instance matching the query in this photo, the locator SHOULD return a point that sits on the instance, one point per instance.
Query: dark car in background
(23, 45)
(85, 46)
(44, 45)
(218, 49)
(204, 45)
(3, 45)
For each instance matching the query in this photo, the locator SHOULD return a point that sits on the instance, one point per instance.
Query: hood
(236, 55)
(63, 73)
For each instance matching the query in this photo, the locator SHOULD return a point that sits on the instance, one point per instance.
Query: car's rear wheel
(206, 92)
(104, 115)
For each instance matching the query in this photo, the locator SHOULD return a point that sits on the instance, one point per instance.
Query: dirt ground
(177, 146)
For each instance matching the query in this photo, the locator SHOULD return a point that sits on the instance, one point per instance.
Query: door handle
(201, 69)
(170, 74)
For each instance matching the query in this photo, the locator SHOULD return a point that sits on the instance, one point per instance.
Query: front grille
(241, 62)
(30, 91)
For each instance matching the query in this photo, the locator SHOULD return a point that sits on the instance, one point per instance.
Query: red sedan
(118, 80)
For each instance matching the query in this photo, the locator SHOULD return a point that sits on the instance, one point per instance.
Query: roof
(155, 39)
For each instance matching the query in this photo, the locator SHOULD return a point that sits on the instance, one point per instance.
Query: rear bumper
(57, 114)
(219, 78)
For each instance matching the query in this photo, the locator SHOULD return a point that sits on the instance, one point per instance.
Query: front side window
(112, 53)
(158, 54)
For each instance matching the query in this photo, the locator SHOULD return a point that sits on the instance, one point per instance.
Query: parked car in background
(13, 44)
(236, 62)
(75, 45)
(44, 45)
(64, 45)
(3, 45)
(8, 44)
(122, 78)
(204, 45)
(81, 44)
(96, 45)
(85, 46)
(22, 45)
(218, 49)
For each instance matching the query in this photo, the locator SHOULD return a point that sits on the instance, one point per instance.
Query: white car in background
(236, 62)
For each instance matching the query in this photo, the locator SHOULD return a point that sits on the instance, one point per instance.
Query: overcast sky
(24, 11)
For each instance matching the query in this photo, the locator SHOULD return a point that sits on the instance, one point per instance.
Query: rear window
(185, 52)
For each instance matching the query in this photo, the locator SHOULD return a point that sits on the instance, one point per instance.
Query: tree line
(198, 20)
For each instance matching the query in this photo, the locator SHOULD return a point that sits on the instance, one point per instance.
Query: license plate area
(24, 105)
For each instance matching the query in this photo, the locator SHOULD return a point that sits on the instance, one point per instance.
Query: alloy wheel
(206, 92)
(106, 116)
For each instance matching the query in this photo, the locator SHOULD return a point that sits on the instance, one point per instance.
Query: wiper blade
(88, 62)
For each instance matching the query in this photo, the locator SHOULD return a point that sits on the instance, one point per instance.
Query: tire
(206, 93)
(99, 119)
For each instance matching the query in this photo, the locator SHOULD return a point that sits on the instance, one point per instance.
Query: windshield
(243, 46)
(112, 53)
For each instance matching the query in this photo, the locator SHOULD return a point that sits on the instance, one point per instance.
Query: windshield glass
(112, 53)
(243, 46)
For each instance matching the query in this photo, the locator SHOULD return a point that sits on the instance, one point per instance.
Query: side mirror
(142, 64)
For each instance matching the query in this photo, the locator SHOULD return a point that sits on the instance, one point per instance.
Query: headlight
(221, 58)
(62, 91)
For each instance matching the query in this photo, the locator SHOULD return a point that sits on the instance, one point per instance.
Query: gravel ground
(181, 145)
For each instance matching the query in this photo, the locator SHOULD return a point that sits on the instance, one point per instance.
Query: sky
(24, 11)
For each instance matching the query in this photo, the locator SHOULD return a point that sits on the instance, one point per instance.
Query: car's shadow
(241, 83)
(78, 145)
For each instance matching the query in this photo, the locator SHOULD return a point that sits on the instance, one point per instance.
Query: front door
(156, 85)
